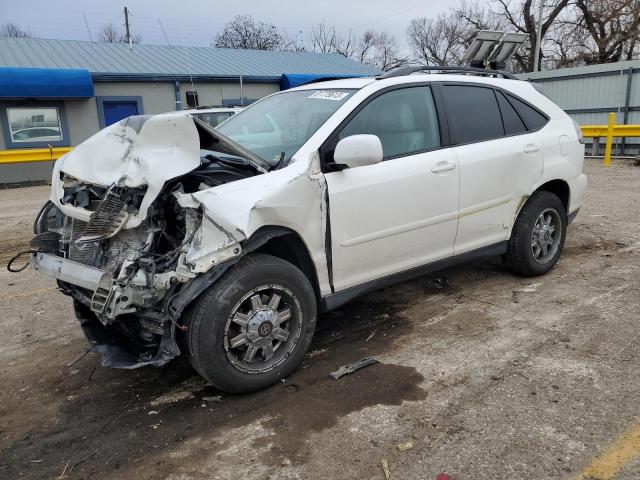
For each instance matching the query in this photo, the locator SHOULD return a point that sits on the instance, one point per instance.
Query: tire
(232, 324)
(526, 254)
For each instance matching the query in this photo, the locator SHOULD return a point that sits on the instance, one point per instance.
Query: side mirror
(358, 151)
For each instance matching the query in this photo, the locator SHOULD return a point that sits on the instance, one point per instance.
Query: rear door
(500, 161)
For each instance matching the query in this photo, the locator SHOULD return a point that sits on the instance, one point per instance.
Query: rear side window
(474, 112)
(533, 118)
(513, 124)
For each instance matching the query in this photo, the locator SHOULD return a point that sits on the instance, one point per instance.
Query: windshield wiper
(280, 161)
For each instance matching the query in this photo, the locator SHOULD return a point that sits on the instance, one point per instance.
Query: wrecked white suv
(173, 237)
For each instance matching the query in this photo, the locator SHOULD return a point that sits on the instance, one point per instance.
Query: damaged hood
(137, 151)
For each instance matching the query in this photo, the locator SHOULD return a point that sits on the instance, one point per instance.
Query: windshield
(276, 127)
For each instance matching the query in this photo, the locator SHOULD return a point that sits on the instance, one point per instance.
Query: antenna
(164, 33)
(86, 24)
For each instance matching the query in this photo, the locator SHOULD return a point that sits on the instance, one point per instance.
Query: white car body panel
(494, 177)
(137, 151)
(385, 218)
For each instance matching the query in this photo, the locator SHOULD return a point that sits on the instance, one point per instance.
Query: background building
(56, 93)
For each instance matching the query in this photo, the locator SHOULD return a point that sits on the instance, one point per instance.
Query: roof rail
(399, 72)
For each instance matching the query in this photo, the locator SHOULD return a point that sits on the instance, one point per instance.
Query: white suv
(223, 244)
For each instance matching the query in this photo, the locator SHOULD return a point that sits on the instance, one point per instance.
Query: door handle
(531, 148)
(443, 167)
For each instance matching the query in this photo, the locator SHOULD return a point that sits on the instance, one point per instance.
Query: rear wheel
(253, 326)
(538, 235)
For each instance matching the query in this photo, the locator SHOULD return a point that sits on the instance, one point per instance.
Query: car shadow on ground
(112, 420)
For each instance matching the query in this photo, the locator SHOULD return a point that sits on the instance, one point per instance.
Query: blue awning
(45, 83)
(290, 80)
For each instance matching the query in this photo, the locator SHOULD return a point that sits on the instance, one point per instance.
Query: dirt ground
(490, 376)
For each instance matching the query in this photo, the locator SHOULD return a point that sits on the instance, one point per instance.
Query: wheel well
(560, 189)
(289, 246)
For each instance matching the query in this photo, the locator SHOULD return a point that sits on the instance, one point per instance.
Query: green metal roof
(114, 60)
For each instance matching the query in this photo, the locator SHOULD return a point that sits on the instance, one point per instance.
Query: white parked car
(223, 244)
(213, 116)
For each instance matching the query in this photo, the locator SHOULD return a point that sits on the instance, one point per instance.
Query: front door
(402, 212)
(114, 111)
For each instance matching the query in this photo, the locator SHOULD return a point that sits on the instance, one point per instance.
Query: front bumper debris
(68, 271)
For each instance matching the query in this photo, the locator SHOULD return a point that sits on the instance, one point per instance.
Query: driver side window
(405, 121)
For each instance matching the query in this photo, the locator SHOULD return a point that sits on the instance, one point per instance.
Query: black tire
(520, 257)
(210, 324)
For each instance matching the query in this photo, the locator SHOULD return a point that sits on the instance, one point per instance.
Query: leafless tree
(520, 16)
(244, 32)
(374, 48)
(109, 33)
(437, 41)
(387, 54)
(322, 38)
(612, 28)
(10, 29)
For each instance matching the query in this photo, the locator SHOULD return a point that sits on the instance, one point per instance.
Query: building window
(28, 126)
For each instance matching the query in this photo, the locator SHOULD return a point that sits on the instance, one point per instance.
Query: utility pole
(127, 37)
(536, 59)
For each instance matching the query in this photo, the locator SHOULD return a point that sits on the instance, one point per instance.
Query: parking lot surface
(487, 375)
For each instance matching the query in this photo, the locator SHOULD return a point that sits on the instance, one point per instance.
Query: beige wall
(156, 97)
(215, 93)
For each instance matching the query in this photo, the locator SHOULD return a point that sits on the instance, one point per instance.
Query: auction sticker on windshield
(329, 95)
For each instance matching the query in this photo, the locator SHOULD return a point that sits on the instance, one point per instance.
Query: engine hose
(18, 255)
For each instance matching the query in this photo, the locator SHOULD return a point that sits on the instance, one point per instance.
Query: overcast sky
(190, 22)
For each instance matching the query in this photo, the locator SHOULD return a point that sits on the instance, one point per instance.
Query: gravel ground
(491, 377)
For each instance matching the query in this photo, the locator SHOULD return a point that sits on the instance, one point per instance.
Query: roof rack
(402, 71)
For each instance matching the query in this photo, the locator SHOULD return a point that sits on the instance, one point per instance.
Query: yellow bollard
(607, 150)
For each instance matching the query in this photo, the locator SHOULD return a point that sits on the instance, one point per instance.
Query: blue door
(114, 111)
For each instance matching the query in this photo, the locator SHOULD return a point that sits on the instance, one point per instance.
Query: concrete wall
(157, 97)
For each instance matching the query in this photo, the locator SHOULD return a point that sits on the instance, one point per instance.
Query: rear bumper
(68, 271)
(577, 189)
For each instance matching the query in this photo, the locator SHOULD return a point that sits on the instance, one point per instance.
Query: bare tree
(374, 48)
(10, 29)
(521, 17)
(437, 41)
(322, 38)
(109, 33)
(387, 54)
(244, 32)
(612, 28)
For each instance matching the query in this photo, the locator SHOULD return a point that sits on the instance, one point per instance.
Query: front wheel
(253, 326)
(538, 235)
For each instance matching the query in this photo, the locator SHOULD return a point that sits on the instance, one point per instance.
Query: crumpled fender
(293, 197)
(139, 150)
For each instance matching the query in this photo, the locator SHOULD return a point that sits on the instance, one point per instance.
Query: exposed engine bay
(125, 309)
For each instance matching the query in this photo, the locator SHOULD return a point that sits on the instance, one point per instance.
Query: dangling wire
(12, 270)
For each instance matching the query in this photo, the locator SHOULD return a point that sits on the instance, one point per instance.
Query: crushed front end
(123, 237)
(121, 280)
